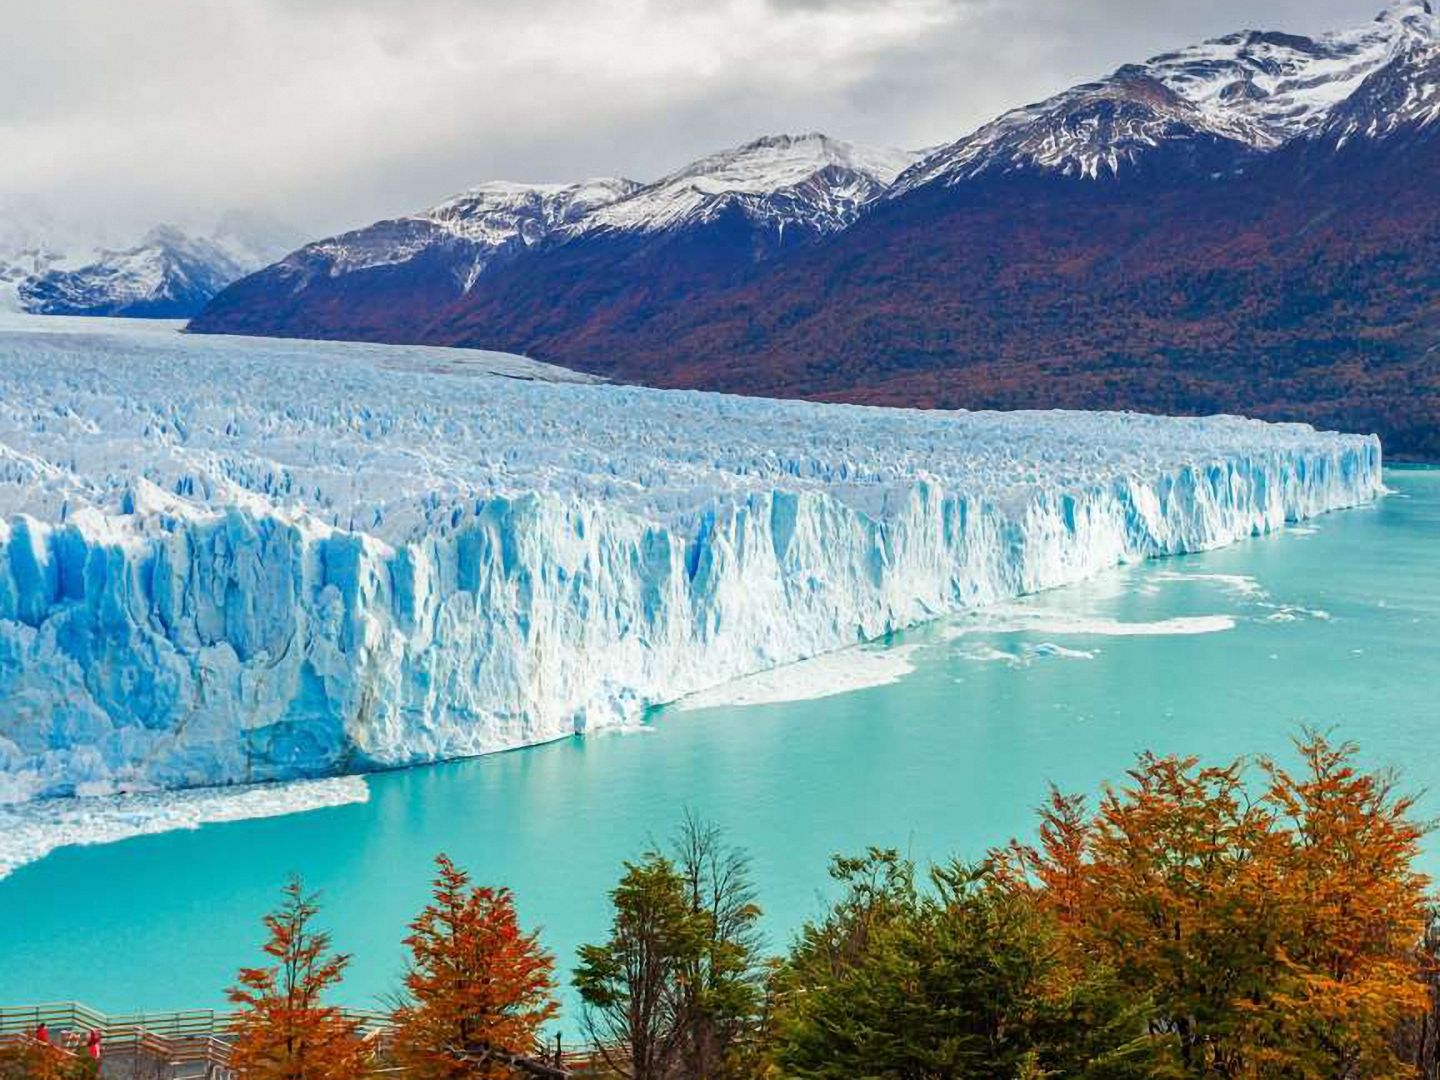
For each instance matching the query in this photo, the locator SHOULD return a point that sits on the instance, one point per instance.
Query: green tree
(679, 987)
(960, 978)
(721, 987)
(632, 986)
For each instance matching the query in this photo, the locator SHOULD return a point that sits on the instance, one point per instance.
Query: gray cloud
(335, 112)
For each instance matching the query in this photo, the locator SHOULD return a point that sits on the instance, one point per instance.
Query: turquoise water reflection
(1332, 625)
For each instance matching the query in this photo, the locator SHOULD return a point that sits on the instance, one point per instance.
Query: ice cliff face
(225, 560)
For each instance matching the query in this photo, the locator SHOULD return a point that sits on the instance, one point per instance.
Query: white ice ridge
(830, 675)
(230, 560)
(31, 830)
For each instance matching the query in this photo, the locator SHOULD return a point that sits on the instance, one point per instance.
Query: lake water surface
(1335, 623)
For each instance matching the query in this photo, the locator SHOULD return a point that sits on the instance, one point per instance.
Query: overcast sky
(332, 113)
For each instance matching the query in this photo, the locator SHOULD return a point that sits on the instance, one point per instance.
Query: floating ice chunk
(824, 676)
(1285, 613)
(989, 654)
(1049, 648)
(1242, 585)
(1012, 619)
(1026, 654)
(30, 831)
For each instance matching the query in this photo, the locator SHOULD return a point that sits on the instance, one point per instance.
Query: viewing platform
(196, 1044)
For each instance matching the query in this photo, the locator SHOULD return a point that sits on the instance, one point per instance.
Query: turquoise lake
(1335, 623)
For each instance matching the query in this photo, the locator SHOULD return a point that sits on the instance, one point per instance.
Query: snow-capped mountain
(471, 232)
(1265, 88)
(32, 241)
(1200, 231)
(403, 270)
(169, 273)
(1403, 95)
(711, 219)
(1201, 109)
(18, 263)
(802, 181)
(1090, 131)
(810, 182)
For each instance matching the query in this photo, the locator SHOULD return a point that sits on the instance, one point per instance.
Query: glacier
(235, 560)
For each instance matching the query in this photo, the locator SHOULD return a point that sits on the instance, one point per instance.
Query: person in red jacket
(42, 1033)
(92, 1045)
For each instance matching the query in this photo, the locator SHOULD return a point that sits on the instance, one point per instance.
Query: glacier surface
(226, 561)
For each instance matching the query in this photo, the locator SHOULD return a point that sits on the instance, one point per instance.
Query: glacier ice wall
(229, 560)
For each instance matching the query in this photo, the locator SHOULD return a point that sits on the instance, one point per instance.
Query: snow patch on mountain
(169, 273)
(1403, 95)
(807, 180)
(1090, 131)
(1249, 92)
(1267, 88)
(477, 227)
(228, 560)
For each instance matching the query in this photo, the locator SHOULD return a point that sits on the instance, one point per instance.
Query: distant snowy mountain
(168, 274)
(465, 235)
(1196, 111)
(810, 182)
(707, 221)
(17, 264)
(24, 258)
(31, 242)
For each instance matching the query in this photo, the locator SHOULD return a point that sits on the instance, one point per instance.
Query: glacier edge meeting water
(1330, 625)
(204, 582)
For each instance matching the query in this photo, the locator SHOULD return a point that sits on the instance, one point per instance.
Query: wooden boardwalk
(195, 1044)
(168, 1045)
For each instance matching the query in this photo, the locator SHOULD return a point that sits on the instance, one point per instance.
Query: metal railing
(180, 1039)
(197, 1042)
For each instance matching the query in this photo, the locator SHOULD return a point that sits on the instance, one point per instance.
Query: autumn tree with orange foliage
(1358, 912)
(33, 1060)
(283, 1030)
(1276, 932)
(478, 989)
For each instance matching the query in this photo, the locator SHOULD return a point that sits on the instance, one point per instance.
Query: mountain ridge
(168, 273)
(1238, 225)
